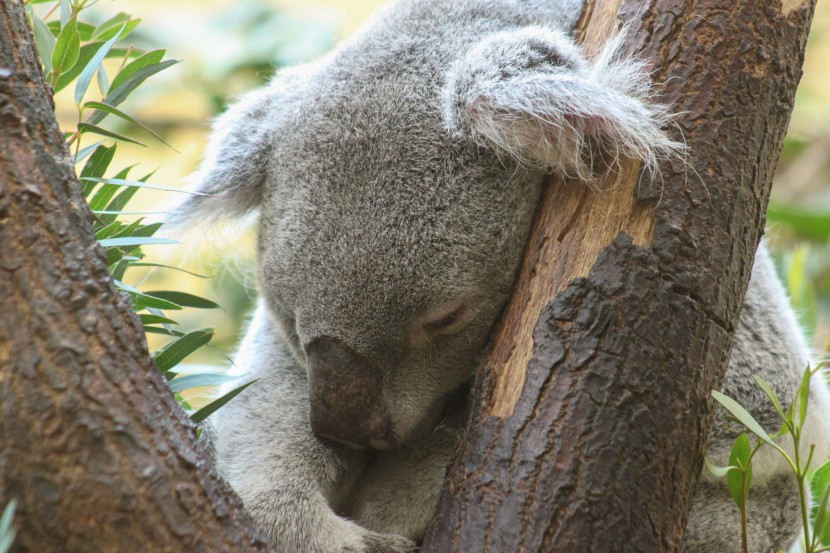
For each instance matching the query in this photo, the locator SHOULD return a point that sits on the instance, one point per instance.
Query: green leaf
(150, 58)
(773, 397)
(120, 201)
(90, 128)
(45, 42)
(743, 417)
(177, 350)
(91, 67)
(105, 193)
(118, 113)
(84, 152)
(161, 330)
(66, 12)
(120, 92)
(738, 481)
(67, 48)
(184, 299)
(821, 518)
(803, 396)
(86, 54)
(139, 184)
(119, 23)
(85, 30)
(162, 266)
(149, 319)
(134, 241)
(809, 224)
(103, 79)
(96, 166)
(7, 531)
(198, 380)
(716, 471)
(211, 407)
(143, 301)
(820, 487)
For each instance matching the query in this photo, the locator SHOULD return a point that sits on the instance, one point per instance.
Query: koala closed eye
(445, 320)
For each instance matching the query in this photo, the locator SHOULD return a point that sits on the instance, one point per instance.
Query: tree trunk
(92, 443)
(584, 438)
(593, 406)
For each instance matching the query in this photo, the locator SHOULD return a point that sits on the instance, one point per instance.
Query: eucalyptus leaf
(67, 48)
(738, 481)
(134, 241)
(118, 113)
(45, 42)
(177, 350)
(743, 417)
(95, 129)
(184, 299)
(119, 93)
(199, 380)
(213, 406)
(91, 67)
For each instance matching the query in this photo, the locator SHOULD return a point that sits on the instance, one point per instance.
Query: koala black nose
(347, 401)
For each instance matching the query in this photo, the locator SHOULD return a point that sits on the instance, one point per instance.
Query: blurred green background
(228, 47)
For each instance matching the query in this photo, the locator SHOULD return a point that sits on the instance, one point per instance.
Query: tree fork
(592, 408)
(92, 444)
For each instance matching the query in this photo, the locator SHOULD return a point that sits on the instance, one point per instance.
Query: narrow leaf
(198, 380)
(139, 184)
(176, 351)
(773, 397)
(145, 60)
(118, 113)
(134, 241)
(89, 128)
(184, 299)
(45, 42)
(716, 471)
(150, 319)
(743, 416)
(67, 48)
(211, 407)
(738, 481)
(85, 77)
(84, 152)
(119, 93)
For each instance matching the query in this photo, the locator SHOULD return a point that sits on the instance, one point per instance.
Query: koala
(395, 182)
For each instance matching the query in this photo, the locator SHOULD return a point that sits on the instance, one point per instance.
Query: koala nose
(348, 404)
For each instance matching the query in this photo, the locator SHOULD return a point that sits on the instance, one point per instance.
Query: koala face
(386, 256)
(396, 191)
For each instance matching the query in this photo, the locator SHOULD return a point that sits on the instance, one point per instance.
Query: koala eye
(446, 321)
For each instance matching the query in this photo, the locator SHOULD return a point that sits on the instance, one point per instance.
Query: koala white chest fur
(396, 180)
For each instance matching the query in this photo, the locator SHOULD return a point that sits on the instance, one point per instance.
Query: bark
(92, 443)
(592, 409)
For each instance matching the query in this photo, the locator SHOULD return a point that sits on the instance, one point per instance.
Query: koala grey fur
(395, 181)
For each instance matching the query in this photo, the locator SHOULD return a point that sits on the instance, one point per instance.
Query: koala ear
(532, 95)
(228, 183)
(230, 180)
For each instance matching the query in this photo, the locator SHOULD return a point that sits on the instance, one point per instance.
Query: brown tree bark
(592, 409)
(92, 443)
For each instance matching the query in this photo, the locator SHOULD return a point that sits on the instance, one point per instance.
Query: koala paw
(387, 543)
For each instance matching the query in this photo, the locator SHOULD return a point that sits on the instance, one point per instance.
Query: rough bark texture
(92, 443)
(587, 438)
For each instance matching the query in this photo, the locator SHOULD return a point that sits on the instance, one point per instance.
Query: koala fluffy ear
(229, 181)
(532, 95)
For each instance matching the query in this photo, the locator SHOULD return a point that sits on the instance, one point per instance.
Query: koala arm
(286, 477)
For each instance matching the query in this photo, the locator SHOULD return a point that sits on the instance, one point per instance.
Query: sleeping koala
(396, 180)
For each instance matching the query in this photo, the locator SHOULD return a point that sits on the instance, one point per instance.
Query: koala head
(395, 193)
